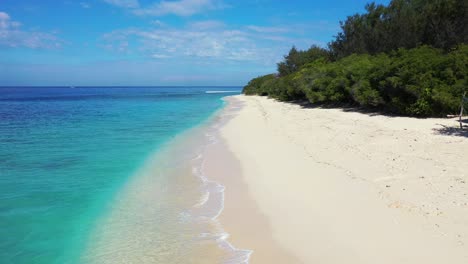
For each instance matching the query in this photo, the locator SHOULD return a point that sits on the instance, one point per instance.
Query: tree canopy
(403, 24)
(298, 58)
(408, 58)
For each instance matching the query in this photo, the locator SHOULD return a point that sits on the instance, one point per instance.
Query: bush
(255, 86)
(418, 82)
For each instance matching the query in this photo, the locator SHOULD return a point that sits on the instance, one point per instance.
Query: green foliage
(403, 24)
(408, 58)
(423, 81)
(258, 85)
(298, 58)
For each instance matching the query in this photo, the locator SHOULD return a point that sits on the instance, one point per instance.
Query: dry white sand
(330, 186)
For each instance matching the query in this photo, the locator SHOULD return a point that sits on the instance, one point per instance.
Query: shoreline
(170, 203)
(375, 205)
(251, 231)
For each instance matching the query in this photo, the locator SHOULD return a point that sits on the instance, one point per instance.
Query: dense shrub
(418, 82)
(258, 85)
(408, 58)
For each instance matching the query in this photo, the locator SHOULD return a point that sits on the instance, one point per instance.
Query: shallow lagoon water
(73, 163)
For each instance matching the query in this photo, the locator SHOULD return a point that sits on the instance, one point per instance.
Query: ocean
(110, 175)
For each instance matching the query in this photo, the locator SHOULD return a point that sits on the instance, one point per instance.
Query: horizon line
(118, 86)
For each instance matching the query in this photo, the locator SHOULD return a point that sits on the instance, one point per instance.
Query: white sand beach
(312, 185)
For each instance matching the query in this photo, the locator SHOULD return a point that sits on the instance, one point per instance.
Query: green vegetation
(409, 58)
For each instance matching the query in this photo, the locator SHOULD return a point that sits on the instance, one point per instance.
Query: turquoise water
(66, 153)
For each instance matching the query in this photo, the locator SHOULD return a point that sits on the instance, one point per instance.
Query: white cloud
(169, 7)
(85, 5)
(12, 36)
(159, 56)
(158, 23)
(165, 43)
(4, 17)
(203, 41)
(268, 29)
(124, 3)
(180, 7)
(208, 24)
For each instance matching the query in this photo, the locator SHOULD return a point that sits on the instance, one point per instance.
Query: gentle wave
(213, 92)
(170, 204)
(212, 202)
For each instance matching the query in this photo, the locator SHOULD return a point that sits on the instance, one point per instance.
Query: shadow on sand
(444, 130)
(343, 107)
(453, 131)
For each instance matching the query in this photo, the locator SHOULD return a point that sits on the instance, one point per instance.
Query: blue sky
(152, 42)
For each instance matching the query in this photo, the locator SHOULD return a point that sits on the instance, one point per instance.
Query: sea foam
(168, 212)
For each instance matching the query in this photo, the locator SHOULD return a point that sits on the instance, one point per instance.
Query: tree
(403, 24)
(298, 58)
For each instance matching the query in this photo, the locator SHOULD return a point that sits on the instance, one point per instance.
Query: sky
(154, 42)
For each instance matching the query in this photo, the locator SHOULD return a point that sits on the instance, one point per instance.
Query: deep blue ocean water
(65, 152)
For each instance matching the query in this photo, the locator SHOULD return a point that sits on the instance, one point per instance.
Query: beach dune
(312, 185)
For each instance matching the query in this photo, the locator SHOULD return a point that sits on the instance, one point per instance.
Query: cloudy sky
(150, 42)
